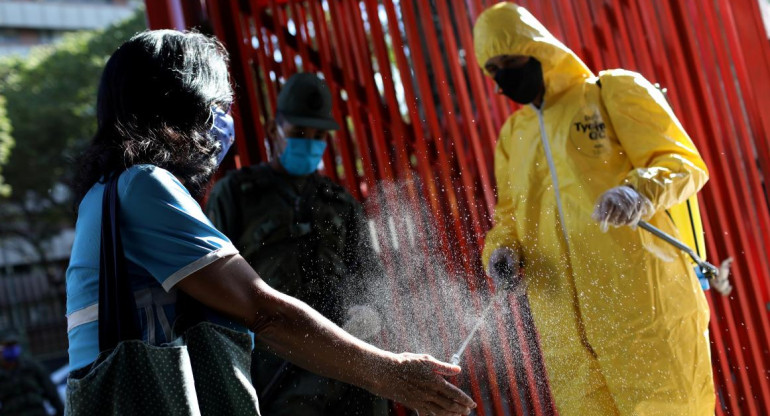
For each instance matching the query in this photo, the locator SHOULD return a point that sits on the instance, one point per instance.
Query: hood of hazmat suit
(622, 319)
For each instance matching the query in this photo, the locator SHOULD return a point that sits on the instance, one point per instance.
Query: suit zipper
(552, 169)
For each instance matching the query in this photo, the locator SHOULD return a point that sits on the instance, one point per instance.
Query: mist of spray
(424, 297)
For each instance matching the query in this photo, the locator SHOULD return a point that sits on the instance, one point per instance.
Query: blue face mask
(11, 353)
(223, 131)
(302, 156)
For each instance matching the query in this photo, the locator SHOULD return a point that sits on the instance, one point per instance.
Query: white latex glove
(363, 322)
(621, 205)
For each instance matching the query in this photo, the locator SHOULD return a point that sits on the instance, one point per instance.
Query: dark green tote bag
(205, 371)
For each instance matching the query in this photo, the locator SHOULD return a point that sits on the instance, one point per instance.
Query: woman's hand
(416, 381)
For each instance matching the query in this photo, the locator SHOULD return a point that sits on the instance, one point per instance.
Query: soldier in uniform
(306, 237)
(24, 385)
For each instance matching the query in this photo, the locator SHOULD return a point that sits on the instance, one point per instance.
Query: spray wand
(456, 357)
(510, 282)
(706, 272)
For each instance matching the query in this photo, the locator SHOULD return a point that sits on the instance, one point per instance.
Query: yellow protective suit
(622, 331)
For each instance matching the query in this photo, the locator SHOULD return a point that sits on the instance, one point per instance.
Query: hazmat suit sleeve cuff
(634, 181)
(662, 186)
(493, 242)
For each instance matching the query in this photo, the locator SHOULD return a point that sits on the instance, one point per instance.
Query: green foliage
(6, 144)
(51, 97)
(50, 100)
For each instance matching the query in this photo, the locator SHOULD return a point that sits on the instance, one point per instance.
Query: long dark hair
(154, 107)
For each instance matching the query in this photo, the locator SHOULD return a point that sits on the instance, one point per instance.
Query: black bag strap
(117, 307)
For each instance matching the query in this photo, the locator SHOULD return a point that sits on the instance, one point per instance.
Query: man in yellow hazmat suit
(622, 318)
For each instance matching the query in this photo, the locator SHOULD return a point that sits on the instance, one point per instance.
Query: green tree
(50, 99)
(6, 144)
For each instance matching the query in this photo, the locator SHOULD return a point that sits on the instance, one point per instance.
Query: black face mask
(521, 84)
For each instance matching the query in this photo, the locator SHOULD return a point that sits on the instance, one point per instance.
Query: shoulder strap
(117, 319)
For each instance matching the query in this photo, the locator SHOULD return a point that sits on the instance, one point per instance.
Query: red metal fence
(418, 111)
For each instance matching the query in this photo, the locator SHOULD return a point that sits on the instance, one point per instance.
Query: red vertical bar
(753, 44)
(458, 146)
(592, 52)
(194, 14)
(361, 61)
(419, 141)
(626, 52)
(464, 103)
(361, 65)
(266, 60)
(396, 127)
(248, 134)
(302, 38)
(423, 83)
(722, 378)
(455, 138)
(263, 65)
(605, 34)
(442, 159)
(342, 136)
(397, 133)
(356, 112)
(577, 21)
(279, 20)
(361, 52)
(351, 89)
(556, 22)
(421, 156)
(635, 24)
(535, 371)
(502, 108)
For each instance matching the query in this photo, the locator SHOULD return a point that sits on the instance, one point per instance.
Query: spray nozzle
(455, 359)
(712, 277)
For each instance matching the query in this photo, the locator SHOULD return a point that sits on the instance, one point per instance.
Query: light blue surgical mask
(223, 131)
(302, 156)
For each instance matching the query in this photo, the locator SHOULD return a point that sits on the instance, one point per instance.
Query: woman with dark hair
(163, 126)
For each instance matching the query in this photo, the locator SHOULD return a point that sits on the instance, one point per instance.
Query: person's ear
(272, 130)
(275, 140)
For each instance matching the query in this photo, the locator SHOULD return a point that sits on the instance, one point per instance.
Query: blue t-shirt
(166, 237)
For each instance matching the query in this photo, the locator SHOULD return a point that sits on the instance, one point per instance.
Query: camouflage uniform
(305, 236)
(23, 389)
